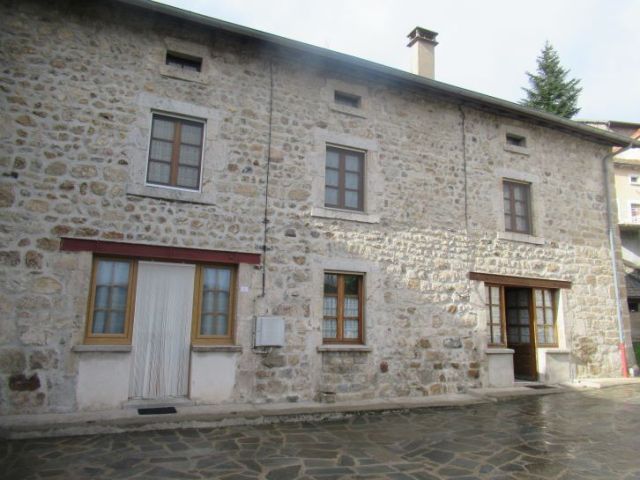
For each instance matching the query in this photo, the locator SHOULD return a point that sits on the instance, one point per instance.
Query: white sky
(485, 45)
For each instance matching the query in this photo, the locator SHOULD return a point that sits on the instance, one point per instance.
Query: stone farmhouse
(194, 211)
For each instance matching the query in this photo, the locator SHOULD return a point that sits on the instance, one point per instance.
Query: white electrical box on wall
(269, 332)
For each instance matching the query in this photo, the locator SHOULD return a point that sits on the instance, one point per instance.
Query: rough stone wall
(70, 94)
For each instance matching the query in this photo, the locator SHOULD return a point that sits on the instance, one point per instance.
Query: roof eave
(463, 95)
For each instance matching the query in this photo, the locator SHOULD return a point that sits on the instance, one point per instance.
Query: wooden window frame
(503, 316)
(124, 338)
(196, 337)
(554, 309)
(174, 163)
(340, 309)
(342, 151)
(512, 225)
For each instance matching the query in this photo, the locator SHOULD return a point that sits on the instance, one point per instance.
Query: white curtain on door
(161, 330)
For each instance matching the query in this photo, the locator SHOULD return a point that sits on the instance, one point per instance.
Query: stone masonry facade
(77, 85)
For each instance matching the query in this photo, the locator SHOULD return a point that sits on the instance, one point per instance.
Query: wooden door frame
(532, 330)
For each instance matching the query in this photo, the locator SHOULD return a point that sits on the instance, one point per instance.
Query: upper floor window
(344, 179)
(175, 154)
(517, 206)
(342, 308)
(184, 62)
(347, 99)
(634, 179)
(516, 140)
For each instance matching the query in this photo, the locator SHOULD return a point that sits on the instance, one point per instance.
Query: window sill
(516, 149)
(101, 349)
(520, 237)
(352, 111)
(216, 348)
(499, 351)
(324, 212)
(168, 193)
(179, 74)
(344, 348)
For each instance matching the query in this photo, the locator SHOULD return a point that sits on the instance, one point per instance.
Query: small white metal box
(269, 332)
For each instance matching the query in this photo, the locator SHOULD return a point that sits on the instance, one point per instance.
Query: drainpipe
(614, 266)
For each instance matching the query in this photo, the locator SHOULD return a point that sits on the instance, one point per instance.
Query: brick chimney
(423, 44)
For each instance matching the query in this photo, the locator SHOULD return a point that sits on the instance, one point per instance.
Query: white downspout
(612, 248)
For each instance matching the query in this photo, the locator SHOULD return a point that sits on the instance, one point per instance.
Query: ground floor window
(515, 314)
(112, 300)
(342, 308)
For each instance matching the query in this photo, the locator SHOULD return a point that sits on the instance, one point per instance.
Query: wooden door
(161, 330)
(520, 332)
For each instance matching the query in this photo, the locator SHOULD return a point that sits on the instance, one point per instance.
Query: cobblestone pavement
(594, 434)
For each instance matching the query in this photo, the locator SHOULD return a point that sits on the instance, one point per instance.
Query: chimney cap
(423, 34)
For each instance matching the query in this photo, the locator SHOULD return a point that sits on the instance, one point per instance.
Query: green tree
(550, 90)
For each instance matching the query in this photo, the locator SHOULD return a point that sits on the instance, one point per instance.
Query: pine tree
(550, 90)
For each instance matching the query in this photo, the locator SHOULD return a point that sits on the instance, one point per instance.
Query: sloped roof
(461, 95)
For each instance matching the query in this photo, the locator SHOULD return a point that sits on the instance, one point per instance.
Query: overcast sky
(485, 45)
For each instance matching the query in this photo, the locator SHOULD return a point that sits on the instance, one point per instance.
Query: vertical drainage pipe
(614, 266)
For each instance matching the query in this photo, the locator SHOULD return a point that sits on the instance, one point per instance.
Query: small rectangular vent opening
(347, 99)
(516, 140)
(184, 62)
(157, 411)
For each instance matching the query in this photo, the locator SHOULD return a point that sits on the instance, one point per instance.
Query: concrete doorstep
(187, 415)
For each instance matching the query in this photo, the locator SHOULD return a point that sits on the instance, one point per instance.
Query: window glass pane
(524, 335)
(351, 329)
(523, 298)
(189, 155)
(331, 177)
(518, 192)
(223, 279)
(329, 328)
(188, 177)
(495, 336)
(118, 298)
(104, 273)
(116, 323)
(521, 224)
(539, 316)
(102, 297)
(541, 336)
(524, 317)
(330, 306)
(208, 301)
(99, 320)
(549, 316)
(206, 325)
(507, 206)
(538, 296)
(121, 273)
(352, 180)
(161, 150)
(331, 196)
(520, 208)
(351, 307)
(548, 296)
(351, 284)
(495, 314)
(191, 134)
(159, 172)
(333, 159)
(550, 334)
(163, 128)
(512, 333)
(330, 283)
(351, 199)
(352, 162)
(221, 302)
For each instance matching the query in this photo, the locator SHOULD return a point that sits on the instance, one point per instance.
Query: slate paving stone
(575, 435)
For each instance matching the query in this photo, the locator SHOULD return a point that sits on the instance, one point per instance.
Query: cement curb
(215, 416)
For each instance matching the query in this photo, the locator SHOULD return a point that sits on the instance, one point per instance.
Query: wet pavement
(575, 435)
